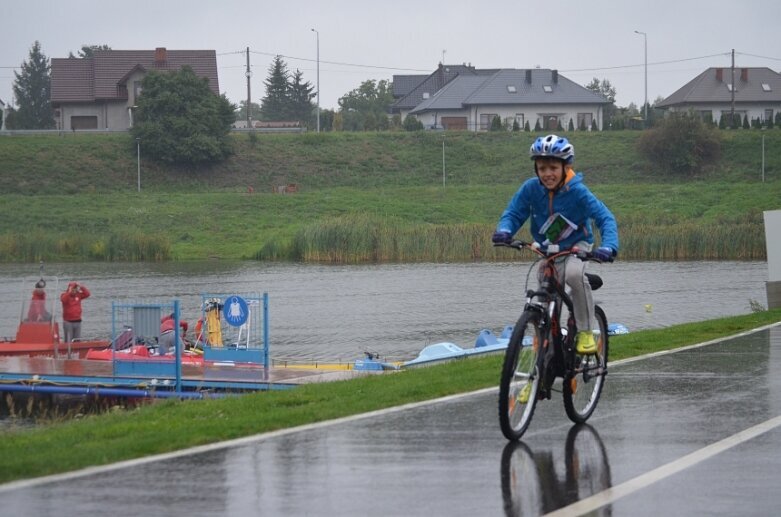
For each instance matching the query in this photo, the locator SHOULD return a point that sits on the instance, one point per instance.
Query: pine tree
(32, 89)
(300, 98)
(274, 106)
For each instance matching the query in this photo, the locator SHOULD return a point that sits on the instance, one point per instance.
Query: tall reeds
(361, 238)
(36, 246)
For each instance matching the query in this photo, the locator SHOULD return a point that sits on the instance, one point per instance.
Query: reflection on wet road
(668, 438)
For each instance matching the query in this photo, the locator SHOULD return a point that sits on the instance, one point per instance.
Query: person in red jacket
(37, 311)
(71, 310)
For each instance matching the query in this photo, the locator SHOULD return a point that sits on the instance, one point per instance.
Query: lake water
(337, 312)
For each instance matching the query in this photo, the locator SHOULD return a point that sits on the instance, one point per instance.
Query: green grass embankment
(122, 435)
(74, 198)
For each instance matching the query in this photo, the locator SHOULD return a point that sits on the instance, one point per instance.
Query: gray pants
(166, 343)
(71, 330)
(573, 271)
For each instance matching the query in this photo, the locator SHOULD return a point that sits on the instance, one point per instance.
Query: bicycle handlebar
(551, 251)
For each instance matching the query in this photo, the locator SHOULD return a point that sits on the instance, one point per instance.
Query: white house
(467, 98)
(751, 92)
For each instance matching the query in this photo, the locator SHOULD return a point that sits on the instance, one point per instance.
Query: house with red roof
(100, 92)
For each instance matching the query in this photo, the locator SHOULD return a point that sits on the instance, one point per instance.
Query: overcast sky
(362, 39)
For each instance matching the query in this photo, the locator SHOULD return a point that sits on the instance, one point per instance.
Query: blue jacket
(573, 200)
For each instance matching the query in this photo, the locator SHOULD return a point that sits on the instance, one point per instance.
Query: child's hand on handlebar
(502, 237)
(604, 254)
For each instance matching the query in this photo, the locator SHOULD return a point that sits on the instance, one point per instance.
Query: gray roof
(529, 84)
(433, 83)
(403, 84)
(453, 95)
(103, 76)
(711, 86)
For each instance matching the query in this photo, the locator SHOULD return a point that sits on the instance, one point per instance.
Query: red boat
(38, 332)
(141, 353)
(43, 338)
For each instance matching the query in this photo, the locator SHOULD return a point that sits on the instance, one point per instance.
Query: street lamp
(645, 49)
(138, 161)
(317, 34)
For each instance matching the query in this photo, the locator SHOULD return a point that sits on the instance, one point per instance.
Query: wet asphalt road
(697, 432)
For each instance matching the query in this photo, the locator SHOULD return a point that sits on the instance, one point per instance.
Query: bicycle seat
(594, 281)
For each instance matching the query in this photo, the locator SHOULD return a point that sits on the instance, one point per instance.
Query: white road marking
(613, 493)
(27, 483)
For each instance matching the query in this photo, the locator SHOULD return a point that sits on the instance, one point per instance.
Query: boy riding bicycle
(561, 209)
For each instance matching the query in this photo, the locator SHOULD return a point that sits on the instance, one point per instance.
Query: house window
(547, 88)
(729, 87)
(766, 87)
(426, 95)
(136, 89)
(511, 88)
(486, 119)
(706, 116)
(551, 122)
(584, 120)
(768, 115)
(520, 120)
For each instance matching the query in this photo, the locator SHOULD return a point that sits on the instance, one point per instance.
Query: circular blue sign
(235, 311)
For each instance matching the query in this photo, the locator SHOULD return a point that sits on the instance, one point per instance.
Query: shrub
(681, 143)
(411, 123)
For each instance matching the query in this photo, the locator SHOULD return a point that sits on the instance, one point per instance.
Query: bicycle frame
(542, 348)
(550, 300)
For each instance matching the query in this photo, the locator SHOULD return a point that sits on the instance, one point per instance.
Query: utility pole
(732, 90)
(248, 73)
(645, 52)
(317, 34)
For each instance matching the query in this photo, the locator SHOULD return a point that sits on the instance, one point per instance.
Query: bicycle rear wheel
(583, 386)
(520, 376)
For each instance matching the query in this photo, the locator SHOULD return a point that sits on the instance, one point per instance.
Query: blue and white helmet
(552, 146)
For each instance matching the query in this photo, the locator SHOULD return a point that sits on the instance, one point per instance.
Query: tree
(411, 123)
(32, 89)
(254, 111)
(89, 50)
(180, 120)
(300, 97)
(367, 106)
(275, 106)
(606, 90)
(496, 123)
(681, 143)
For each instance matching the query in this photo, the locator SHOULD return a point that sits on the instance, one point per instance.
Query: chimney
(160, 56)
(719, 75)
(744, 74)
(555, 76)
(528, 76)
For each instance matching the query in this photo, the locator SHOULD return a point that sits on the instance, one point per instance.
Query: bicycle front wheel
(520, 376)
(583, 385)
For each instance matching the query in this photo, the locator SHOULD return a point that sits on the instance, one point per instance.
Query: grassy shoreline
(74, 198)
(122, 435)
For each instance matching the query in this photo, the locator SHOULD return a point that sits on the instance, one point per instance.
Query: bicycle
(541, 349)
